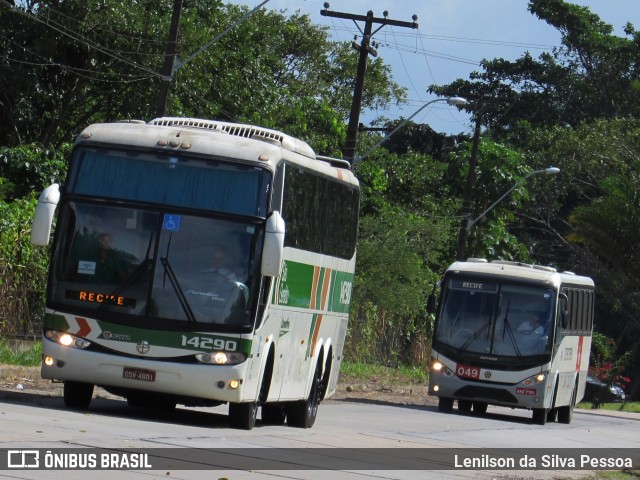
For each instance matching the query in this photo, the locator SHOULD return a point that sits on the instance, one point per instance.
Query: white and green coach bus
(514, 335)
(200, 263)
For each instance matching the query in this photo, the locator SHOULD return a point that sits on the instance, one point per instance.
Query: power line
(88, 43)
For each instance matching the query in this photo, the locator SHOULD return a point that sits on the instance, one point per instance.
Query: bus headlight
(221, 358)
(537, 378)
(439, 367)
(66, 339)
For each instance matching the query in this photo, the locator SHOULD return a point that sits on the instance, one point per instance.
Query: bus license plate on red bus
(465, 371)
(139, 374)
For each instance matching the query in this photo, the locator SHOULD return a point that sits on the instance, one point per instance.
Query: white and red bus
(514, 335)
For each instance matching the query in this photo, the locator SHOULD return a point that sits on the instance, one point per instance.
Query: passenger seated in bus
(533, 325)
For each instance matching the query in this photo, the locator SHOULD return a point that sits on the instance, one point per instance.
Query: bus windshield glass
(493, 318)
(169, 241)
(170, 179)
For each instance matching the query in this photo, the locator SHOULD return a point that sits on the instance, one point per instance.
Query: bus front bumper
(212, 382)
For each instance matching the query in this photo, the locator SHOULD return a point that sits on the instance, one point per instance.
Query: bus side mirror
(43, 218)
(564, 309)
(273, 250)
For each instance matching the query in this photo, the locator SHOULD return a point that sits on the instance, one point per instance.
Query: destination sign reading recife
(98, 297)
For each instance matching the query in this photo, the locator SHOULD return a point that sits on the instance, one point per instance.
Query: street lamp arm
(458, 101)
(550, 170)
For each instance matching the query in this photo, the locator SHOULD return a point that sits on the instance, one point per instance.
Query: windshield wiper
(507, 327)
(184, 303)
(474, 337)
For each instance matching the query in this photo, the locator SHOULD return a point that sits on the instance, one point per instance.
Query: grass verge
(368, 373)
(13, 355)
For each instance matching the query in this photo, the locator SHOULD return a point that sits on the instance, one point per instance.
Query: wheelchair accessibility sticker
(171, 222)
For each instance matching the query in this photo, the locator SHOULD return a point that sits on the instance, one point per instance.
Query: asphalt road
(355, 439)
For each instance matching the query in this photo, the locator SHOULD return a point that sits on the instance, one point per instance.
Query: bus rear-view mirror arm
(273, 250)
(43, 218)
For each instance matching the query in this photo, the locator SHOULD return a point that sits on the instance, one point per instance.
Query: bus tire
(303, 413)
(480, 408)
(77, 395)
(565, 414)
(445, 405)
(273, 414)
(464, 406)
(243, 415)
(540, 416)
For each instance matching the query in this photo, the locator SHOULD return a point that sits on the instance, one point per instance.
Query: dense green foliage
(66, 64)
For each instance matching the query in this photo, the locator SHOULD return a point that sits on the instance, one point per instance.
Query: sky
(452, 37)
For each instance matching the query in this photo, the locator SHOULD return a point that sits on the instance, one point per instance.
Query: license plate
(139, 374)
(526, 391)
(465, 371)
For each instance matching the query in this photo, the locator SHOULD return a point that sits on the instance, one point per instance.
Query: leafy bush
(23, 270)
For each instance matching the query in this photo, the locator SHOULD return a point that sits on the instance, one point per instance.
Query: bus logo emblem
(143, 347)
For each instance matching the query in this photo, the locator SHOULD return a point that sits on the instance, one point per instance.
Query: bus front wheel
(77, 395)
(565, 414)
(540, 416)
(243, 415)
(445, 404)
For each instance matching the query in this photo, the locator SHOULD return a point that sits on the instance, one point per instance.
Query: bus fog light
(436, 388)
(48, 361)
(234, 384)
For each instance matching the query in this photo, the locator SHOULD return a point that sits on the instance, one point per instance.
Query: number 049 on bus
(465, 371)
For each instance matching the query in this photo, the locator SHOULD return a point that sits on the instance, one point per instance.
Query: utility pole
(170, 57)
(467, 201)
(365, 49)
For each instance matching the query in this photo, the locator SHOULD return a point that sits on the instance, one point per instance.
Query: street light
(548, 171)
(457, 101)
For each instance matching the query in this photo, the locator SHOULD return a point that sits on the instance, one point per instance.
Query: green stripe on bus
(295, 288)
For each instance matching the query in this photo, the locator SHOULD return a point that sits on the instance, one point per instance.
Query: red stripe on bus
(579, 358)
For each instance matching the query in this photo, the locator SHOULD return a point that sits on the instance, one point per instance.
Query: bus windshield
(155, 268)
(495, 318)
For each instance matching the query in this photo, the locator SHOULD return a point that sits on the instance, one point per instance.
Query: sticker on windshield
(171, 222)
(86, 267)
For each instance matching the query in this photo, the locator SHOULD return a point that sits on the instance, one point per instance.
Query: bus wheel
(303, 413)
(480, 408)
(565, 414)
(464, 406)
(77, 395)
(243, 415)
(273, 413)
(540, 416)
(552, 415)
(445, 404)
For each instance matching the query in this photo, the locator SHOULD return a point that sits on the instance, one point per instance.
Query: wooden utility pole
(365, 49)
(169, 59)
(467, 201)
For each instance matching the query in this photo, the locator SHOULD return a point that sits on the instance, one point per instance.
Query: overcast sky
(452, 37)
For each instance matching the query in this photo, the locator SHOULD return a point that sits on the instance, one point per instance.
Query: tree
(594, 74)
(76, 62)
